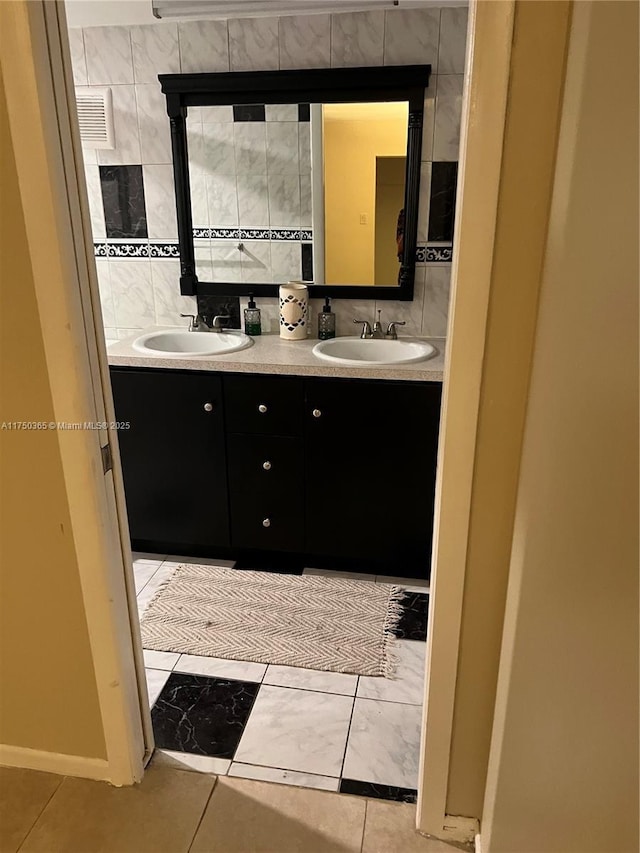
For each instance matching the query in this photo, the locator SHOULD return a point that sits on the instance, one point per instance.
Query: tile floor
(330, 731)
(176, 812)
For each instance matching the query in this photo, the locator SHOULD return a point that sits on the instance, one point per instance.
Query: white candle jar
(294, 311)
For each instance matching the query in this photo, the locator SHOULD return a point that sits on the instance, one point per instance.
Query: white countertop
(270, 354)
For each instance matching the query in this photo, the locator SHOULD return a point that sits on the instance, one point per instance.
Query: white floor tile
(311, 679)
(284, 777)
(200, 561)
(407, 683)
(296, 730)
(384, 743)
(188, 761)
(152, 586)
(160, 660)
(143, 571)
(330, 573)
(144, 555)
(156, 680)
(221, 668)
(410, 584)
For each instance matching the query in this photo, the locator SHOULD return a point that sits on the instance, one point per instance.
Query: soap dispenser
(326, 322)
(252, 322)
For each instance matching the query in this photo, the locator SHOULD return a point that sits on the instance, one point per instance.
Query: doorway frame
(40, 100)
(39, 89)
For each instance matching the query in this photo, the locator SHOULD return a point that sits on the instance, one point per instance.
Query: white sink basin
(370, 351)
(178, 342)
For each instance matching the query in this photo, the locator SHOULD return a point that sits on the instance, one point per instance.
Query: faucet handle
(216, 325)
(192, 320)
(366, 328)
(391, 329)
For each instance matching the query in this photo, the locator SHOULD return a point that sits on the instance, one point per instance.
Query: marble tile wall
(250, 167)
(142, 288)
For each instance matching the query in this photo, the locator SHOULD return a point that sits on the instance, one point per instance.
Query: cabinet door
(173, 456)
(371, 464)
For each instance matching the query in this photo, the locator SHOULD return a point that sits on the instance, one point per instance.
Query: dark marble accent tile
(204, 716)
(282, 564)
(125, 213)
(442, 208)
(249, 112)
(412, 625)
(381, 792)
(210, 306)
(307, 262)
(304, 112)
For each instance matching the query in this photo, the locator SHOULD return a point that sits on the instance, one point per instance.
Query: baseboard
(478, 843)
(54, 762)
(461, 829)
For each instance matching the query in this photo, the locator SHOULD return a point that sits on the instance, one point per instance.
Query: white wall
(563, 772)
(137, 292)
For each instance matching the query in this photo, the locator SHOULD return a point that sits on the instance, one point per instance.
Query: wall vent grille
(95, 117)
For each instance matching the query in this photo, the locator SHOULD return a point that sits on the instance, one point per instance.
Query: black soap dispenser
(326, 322)
(252, 321)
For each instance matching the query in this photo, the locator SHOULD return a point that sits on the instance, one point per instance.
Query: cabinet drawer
(266, 475)
(268, 528)
(264, 404)
(270, 465)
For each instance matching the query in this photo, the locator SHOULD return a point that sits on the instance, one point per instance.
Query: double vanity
(323, 453)
(269, 448)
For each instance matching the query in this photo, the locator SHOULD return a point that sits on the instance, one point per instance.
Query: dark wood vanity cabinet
(339, 471)
(370, 468)
(173, 457)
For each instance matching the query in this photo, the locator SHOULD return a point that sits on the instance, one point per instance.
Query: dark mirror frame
(318, 85)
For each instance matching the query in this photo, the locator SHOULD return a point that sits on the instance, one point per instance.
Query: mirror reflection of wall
(356, 190)
(255, 216)
(250, 175)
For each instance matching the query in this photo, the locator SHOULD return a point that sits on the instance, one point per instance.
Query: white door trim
(489, 40)
(37, 80)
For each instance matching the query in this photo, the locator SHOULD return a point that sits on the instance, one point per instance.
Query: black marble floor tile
(412, 625)
(205, 716)
(381, 792)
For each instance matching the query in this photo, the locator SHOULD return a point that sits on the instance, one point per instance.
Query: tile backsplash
(130, 188)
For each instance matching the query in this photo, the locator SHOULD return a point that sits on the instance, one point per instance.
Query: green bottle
(252, 322)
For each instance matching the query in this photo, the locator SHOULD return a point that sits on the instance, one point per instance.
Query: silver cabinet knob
(266, 465)
(266, 522)
(317, 413)
(262, 408)
(208, 407)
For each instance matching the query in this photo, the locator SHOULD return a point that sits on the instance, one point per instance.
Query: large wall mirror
(309, 175)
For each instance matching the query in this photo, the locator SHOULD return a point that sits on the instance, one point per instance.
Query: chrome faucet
(368, 331)
(215, 325)
(196, 323)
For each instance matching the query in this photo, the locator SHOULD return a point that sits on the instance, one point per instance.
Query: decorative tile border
(295, 234)
(145, 249)
(136, 250)
(434, 254)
